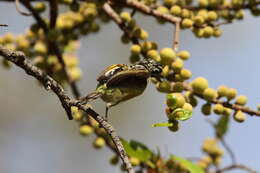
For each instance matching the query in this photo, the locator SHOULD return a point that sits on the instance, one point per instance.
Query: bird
(121, 82)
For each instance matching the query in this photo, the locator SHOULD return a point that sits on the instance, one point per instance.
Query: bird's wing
(124, 75)
(109, 72)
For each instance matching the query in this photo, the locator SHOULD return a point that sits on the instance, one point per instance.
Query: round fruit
(199, 84)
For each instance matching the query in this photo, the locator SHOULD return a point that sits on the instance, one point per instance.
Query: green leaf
(137, 150)
(193, 168)
(186, 114)
(222, 126)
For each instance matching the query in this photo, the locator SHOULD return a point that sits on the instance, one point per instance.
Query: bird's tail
(90, 97)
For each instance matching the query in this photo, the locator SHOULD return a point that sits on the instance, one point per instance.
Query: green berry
(210, 94)
(231, 93)
(163, 86)
(125, 16)
(199, 84)
(241, 100)
(175, 126)
(167, 56)
(169, 3)
(218, 109)
(99, 142)
(114, 160)
(185, 74)
(187, 23)
(239, 116)
(85, 130)
(135, 49)
(184, 55)
(222, 90)
(134, 58)
(175, 100)
(175, 10)
(177, 87)
(206, 109)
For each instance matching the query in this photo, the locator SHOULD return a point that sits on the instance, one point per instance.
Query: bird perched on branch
(121, 82)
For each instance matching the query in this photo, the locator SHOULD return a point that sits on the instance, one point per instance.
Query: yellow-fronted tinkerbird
(121, 82)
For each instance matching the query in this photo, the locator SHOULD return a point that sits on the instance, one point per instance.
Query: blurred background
(35, 135)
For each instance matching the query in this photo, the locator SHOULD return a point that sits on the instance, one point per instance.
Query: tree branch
(235, 107)
(236, 166)
(20, 60)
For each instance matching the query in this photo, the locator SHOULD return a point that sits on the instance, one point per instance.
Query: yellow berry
(75, 73)
(85, 130)
(218, 109)
(185, 13)
(231, 93)
(40, 47)
(165, 71)
(212, 16)
(125, 16)
(177, 65)
(163, 10)
(208, 31)
(239, 116)
(210, 94)
(99, 142)
(175, 100)
(169, 3)
(39, 7)
(206, 109)
(187, 23)
(203, 3)
(175, 10)
(258, 107)
(154, 54)
(187, 106)
(184, 55)
(222, 90)
(227, 111)
(199, 84)
(199, 20)
(185, 74)
(135, 49)
(167, 56)
(217, 32)
(241, 100)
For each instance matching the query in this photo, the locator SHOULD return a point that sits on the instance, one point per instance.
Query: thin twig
(229, 150)
(20, 60)
(176, 36)
(53, 12)
(236, 166)
(17, 2)
(4, 25)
